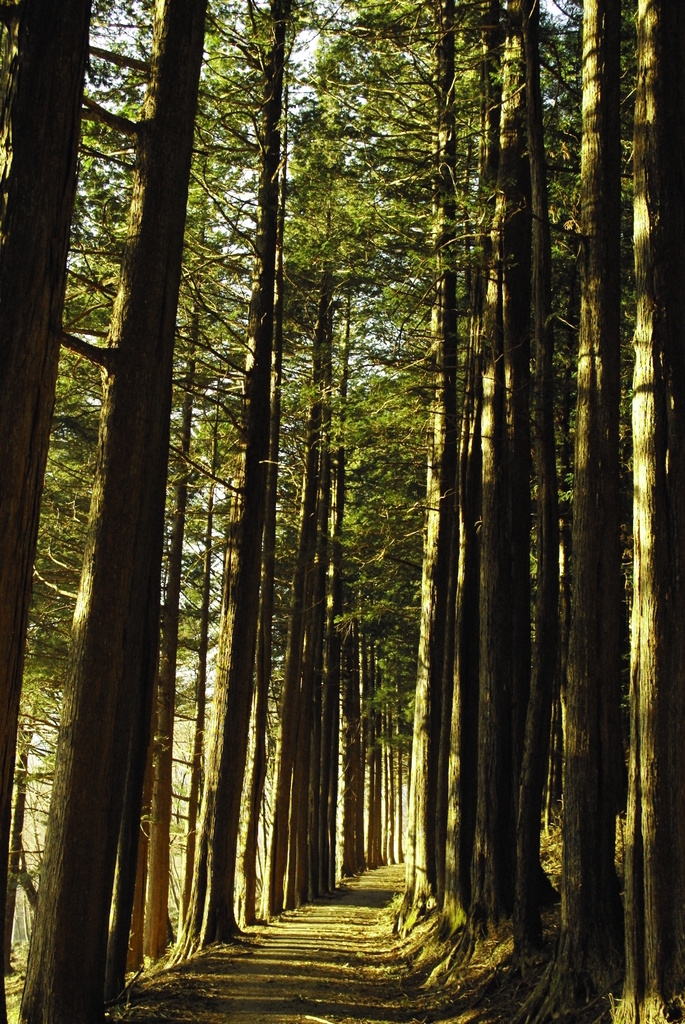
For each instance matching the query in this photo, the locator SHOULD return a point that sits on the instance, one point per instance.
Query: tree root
(565, 989)
(633, 1010)
(410, 913)
(125, 992)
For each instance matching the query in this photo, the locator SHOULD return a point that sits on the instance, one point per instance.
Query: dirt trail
(333, 962)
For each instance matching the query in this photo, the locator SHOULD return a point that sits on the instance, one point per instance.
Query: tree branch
(203, 470)
(99, 155)
(53, 586)
(107, 289)
(105, 357)
(94, 112)
(120, 60)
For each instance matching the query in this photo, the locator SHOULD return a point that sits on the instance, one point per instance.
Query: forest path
(334, 961)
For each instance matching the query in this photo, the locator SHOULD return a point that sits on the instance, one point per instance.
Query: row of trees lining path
(341, 504)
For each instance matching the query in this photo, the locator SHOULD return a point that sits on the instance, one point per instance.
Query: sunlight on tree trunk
(654, 986)
(588, 956)
(45, 59)
(211, 914)
(115, 631)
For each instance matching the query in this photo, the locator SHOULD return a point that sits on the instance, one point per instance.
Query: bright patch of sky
(560, 10)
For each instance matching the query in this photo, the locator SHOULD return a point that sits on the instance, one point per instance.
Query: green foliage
(361, 129)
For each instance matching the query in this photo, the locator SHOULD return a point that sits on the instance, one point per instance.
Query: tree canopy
(321, 375)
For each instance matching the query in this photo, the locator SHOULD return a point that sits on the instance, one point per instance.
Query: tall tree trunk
(400, 798)
(385, 791)
(309, 736)
(274, 897)
(390, 802)
(358, 669)
(200, 685)
(369, 719)
(312, 852)
(16, 847)
(41, 119)
(434, 683)
(349, 791)
(307, 825)
(134, 951)
(115, 631)
(126, 876)
(527, 921)
(553, 795)
(491, 862)
(588, 954)
(353, 766)
(516, 319)
(330, 724)
(211, 916)
(157, 912)
(462, 779)
(298, 861)
(319, 609)
(445, 313)
(556, 739)
(291, 697)
(461, 820)
(655, 853)
(504, 590)
(378, 776)
(266, 607)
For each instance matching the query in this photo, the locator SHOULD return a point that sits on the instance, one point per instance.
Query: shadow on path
(334, 961)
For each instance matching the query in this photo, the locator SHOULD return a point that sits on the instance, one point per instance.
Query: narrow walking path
(333, 962)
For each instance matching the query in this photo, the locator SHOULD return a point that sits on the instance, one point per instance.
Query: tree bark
(134, 952)
(591, 912)
(319, 609)
(462, 777)
(357, 669)
(504, 584)
(330, 726)
(41, 117)
(200, 687)
(157, 910)
(211, 916)
(353, 763)
(516, 318)
(400, 804)
(136, 803)
(266, 607)
(434, 683)
(316, 570)
(390, 802)
(115, 630)
(655, 855)
(527, 921)
(16, 847)
(378, 774)
(588, 956)
(446, 315)
(369, 726)
(291, 697)
(463, 761)
(298, 865)
(553, 795)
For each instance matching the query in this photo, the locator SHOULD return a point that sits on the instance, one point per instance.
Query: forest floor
(337, 961)
(334, 960)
